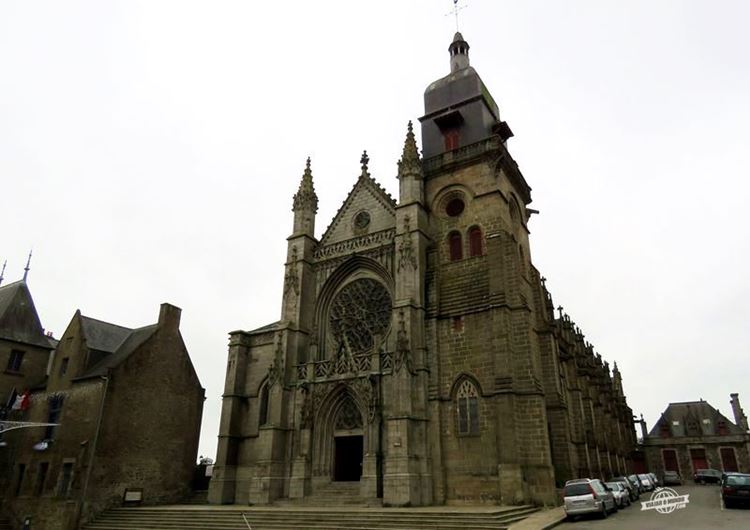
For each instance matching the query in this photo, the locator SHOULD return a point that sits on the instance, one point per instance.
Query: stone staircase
(5, 524)
(333, 494)
(197, 497)
(191, 517)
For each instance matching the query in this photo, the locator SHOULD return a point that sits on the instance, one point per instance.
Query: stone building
(25, 352)
(694, 435)
(25, 348)
(128, 405)
(418, 359)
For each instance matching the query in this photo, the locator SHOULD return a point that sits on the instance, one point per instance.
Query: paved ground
(704, 511)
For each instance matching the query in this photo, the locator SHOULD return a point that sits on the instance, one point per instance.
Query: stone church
(419, 359)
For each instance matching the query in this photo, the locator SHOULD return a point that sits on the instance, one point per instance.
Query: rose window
(361, 310)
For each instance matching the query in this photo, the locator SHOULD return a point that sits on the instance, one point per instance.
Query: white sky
(149, 152)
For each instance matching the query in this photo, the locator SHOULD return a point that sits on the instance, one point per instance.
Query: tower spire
(305, 204)
(27, 267)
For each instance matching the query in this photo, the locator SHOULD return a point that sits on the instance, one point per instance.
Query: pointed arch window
(263, 413)
(467, 406)
(475, 241)
(455, 246)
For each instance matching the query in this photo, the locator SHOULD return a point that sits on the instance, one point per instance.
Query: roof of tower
(19, 320)
(458, 37)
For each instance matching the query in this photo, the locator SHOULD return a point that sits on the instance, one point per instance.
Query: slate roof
(114, 343)
(19, 320)
(135, 338)
(695, 412)
(102, 335)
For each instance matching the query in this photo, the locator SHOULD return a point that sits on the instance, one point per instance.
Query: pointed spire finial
(27, 267)
(305, 196)
(364, 161)
(2, 272)
(410, 165)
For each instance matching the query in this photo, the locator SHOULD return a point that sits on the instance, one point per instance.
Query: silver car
(621, 493)
(583, 496)
(647, 482)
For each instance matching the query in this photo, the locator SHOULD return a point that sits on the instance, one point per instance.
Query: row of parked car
(593, 496)
(735, 487)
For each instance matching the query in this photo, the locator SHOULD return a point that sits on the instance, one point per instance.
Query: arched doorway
(348, 442)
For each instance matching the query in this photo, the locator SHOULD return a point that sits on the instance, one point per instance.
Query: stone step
(264, 518)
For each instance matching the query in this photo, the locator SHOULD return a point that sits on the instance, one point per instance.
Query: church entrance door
(347, 458)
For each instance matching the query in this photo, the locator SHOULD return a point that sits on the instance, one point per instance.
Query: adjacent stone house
(418, 359)
(694, 435)
(25, 353)
(128, 403)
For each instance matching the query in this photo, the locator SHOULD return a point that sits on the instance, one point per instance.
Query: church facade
(419, 358)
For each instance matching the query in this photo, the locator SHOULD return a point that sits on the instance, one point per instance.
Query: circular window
(454, 207)
(360, 311)
(362, 220)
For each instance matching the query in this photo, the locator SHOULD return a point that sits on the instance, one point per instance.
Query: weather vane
(456, 9)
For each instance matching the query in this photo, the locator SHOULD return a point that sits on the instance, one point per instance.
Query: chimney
(169, 317)
(644, 430)
(739, 415)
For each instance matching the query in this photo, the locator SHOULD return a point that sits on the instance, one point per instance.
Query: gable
(19, 320)
(366, 196)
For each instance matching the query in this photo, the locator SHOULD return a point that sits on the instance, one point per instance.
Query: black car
(706, 476)
(735, 489)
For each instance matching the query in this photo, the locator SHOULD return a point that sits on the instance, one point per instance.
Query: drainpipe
(82, 501)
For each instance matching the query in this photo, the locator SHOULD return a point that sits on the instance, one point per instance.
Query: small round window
(454, 207)
(362, 220)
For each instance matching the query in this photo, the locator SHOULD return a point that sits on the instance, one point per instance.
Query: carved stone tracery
(359, 312)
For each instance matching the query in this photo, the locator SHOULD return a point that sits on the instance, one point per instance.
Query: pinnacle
(305, 196)
(409, 163)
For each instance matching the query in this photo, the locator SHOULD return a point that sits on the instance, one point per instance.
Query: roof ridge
(105, 322)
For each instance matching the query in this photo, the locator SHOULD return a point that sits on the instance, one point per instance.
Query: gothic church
(419, 359)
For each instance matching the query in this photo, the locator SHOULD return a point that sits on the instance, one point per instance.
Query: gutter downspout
(84, 491)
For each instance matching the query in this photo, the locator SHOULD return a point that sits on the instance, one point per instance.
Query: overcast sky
(149, 152)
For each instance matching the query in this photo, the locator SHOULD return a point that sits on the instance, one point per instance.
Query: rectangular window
(55, 404)
(19, 481)
(450, 138)
(41, 478)
(14, 363)
(64, 366)
(66, 478)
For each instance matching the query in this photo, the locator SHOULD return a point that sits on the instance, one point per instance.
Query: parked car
(646, 482)
(735, 489)
(620, 492)
(634, 491)
(671, 478)
(635, 480)
(584, 496)
(705, 476)
(725, 474)
(654, 480)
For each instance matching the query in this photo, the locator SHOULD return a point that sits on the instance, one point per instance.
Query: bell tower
(459, 110)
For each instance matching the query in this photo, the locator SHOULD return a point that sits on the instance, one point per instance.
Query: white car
(583, 496)
(622, 496)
